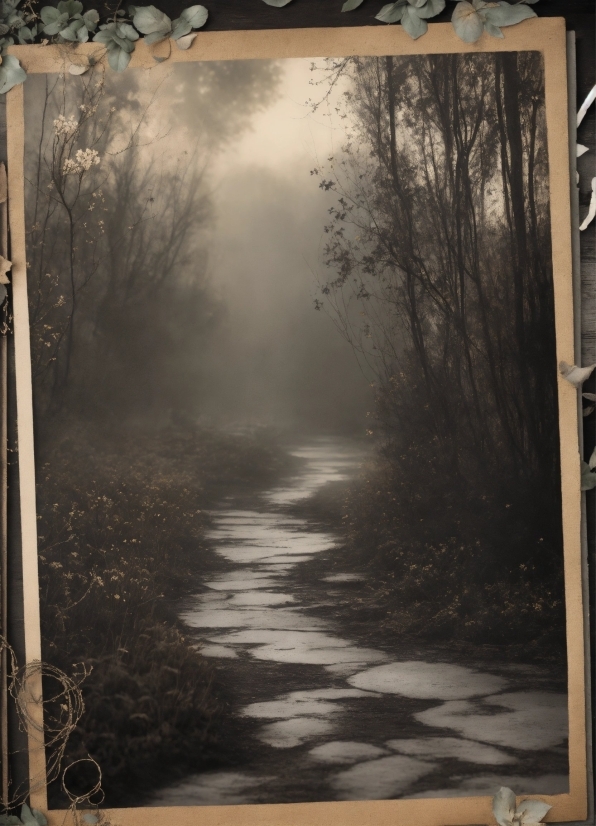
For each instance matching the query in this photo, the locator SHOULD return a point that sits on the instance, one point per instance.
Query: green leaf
(417, 4)
(25, 34)
(506, 15)
(90, 819)
(9, 820)
(11, 73)
(504, 806)
(186, 42)
(49, 14)
(392, 12)
(155, 37)
(118, 59)
(180, 28)
(532, 811)
(127, 31)
(70, 33)
(91, 19)
(350, 5)
(413, 24)
(431, 9)
(277, 3)
(592, 460)
(70, 7)
(149, 20)
(103, 36)
(27, 816)
(493, 30)
(467, 22)
(55, 20)
(40, 817)
(588, 478)
(83, 34)
(196, 16)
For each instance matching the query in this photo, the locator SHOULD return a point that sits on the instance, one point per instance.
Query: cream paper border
(544, 35)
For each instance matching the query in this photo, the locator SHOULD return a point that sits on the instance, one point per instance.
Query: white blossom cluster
(82, 162)
(64, 127)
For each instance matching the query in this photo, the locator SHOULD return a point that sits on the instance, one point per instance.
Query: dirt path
(321, 715)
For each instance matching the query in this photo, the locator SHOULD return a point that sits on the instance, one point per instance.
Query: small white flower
(83, 161)
(64, 127)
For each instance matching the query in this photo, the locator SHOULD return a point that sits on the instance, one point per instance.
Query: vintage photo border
(544, 35)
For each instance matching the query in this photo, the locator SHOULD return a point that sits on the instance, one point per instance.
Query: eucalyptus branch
(67, 23)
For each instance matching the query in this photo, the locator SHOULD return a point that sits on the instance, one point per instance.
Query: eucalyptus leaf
(127, 31)
(53, 20)
(155, 37)
(504, 804)
(507, 15)
(70, 7)
(49, 14)
(27, 816)
(40, 817)
(493, 30)
(8, 820)
(91, 19)
(467, 22)
(277, 3)
(118, 59)
(90, 819)
(413, 24)
(11, 73)
(25, 34)
(195, 15)
(149, 20)
(392, 12)
(430, 9)
(532, 811)
(83, 34)
(350, 5)
(180, 28)
(75, 69)
(592, 466)
(186, 42)
(71, 31)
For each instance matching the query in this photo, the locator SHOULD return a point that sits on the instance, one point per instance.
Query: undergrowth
(122, 537)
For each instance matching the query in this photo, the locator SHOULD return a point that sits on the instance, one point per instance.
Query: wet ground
(325, 716)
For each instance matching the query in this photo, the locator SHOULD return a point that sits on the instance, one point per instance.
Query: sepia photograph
(296, 421)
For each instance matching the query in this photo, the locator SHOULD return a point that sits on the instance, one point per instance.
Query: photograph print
(296, 421)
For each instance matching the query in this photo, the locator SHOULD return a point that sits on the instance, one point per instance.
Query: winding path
(328, 718)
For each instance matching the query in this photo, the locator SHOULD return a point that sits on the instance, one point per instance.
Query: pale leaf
(186, 42)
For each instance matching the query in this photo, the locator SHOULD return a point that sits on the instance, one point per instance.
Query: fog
(274, 358)
(194, 295)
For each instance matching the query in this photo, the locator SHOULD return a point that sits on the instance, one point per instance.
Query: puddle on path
(257, 616)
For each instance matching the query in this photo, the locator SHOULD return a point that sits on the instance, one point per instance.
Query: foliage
(471, 19)
(507, 813)
(122, 537)
(29, 817)
(67, 23)
(412, 14)
(440, 279)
